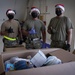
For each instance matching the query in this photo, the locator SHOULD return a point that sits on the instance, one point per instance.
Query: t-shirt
(61, 25)
(38, 25)
(13, 25)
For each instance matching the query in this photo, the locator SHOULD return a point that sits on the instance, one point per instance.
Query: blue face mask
(58, 12)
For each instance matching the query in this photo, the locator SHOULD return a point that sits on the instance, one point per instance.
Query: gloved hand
(43, 45)
(68, 47)
(32, 31)
(52, 30)
(20, 41)
(10, 30)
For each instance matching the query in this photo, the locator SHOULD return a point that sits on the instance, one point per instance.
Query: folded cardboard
(66, 68)
(18, 48)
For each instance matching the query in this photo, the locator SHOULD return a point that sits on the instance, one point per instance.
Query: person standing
(60, 28)
(11, 30)
(33, 28)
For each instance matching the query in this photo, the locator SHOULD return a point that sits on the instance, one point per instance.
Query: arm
(44, 36)
(20, 32)
(50, 30)
(69, 33)
(20, 35)
(24, 28)
(69, 36)
(69, 30)
(4, 33)
(3, 30)
(24, 32)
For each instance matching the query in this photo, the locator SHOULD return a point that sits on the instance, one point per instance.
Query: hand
(52, 30)
(43, 45)
(20, 41)
(68, 47)
(32, 31)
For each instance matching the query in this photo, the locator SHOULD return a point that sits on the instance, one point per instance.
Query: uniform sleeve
(69, 24)
(19, 30)
(43, 26)
(49, 26)
(19, 26)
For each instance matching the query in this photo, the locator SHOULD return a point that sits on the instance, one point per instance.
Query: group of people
(34, 30)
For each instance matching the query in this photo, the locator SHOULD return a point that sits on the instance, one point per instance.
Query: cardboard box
(67, 68)
(18, 48)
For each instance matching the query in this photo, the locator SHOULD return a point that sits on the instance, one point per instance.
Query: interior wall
(18, 5)
(20, 8)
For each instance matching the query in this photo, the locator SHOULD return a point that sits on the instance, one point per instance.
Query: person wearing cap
(60, 28)
(10, 29)
(32, 29)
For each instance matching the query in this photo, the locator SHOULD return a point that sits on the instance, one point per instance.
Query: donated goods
(16, 63)
(21, 65)
(52, 60)
(41, 60)
(38, 60)
(13, 60)
(9, 66)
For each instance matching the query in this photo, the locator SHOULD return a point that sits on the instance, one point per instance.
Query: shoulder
(67, 18)
(40, 21)
(5, 22)
(28, 21)
(15, 21)
(53, 18)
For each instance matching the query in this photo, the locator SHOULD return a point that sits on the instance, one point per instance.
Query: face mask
(58, 12)
(10, 16)
(34, 14)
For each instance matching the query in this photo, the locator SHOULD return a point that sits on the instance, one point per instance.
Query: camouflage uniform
(60, 26)
(39, 26)
(14, 27)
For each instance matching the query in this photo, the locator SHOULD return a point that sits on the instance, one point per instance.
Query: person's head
(59, 9)
(34, 12)
(10, 13)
